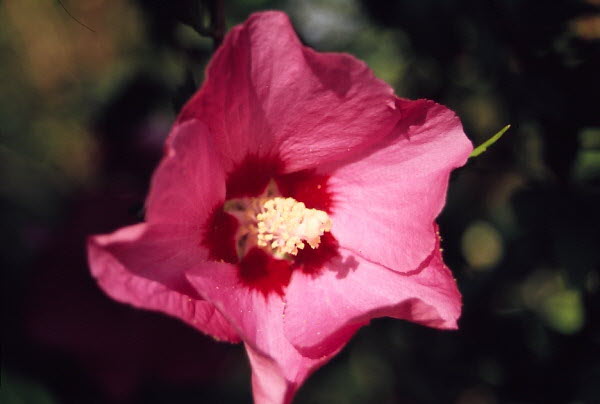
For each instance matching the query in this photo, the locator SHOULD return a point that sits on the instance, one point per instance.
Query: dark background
(88, 90)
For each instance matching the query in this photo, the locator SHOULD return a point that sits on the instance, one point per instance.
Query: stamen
(284, 225)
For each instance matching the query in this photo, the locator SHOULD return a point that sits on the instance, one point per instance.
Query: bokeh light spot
(482, 245)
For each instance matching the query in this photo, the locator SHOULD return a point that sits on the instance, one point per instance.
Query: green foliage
(484, 146)
(16, 390)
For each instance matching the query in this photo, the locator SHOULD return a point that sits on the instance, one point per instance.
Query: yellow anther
(285, 225)
(280, 225)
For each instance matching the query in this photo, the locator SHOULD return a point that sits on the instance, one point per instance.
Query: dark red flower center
(261, 268)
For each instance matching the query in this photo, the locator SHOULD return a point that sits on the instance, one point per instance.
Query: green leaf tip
(483, 147)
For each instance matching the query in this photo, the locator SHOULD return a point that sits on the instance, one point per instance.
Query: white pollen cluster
(284, 224)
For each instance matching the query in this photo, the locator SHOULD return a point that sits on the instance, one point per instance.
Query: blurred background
(89, 89)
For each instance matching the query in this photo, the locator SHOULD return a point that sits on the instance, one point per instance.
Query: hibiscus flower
(295, 202)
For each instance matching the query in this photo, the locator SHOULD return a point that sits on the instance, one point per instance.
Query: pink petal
(352, 291)
(143, 265)
(189, 181)
(269, 386)
(278, 369)
(386, 200)
(265, 94)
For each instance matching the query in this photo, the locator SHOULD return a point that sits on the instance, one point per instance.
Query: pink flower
(296, 201)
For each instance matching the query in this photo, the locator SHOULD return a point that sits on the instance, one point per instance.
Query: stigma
(285, 226)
